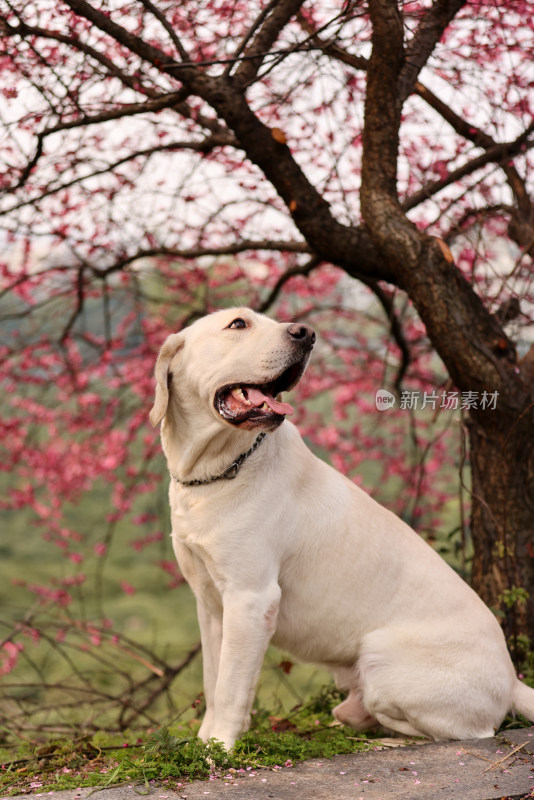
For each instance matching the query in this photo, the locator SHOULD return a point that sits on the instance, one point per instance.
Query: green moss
(173, 756)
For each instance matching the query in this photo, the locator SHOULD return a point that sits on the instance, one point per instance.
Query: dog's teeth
(238, 394)
(265, 407)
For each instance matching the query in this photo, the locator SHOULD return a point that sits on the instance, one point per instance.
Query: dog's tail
(523, 700)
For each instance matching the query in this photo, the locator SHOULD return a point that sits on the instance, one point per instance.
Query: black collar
(231, 471)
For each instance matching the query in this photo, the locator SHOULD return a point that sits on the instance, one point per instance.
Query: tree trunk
(471, 342)
(502, 518)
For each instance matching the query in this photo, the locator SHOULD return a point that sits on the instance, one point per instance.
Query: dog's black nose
(302, 333)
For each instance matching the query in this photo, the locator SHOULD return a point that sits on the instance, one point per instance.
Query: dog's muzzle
(258, 403)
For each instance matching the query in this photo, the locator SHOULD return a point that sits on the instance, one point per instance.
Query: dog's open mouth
(257, 401)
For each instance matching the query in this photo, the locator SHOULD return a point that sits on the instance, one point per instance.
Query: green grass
(174, 756)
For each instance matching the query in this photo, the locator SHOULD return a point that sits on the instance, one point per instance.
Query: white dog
(278, 546)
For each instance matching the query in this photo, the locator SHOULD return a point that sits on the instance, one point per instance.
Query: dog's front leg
(209, 613)
(211, 636)
(249, 621)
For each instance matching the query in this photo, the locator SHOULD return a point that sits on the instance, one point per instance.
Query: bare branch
(299, 269)
(237, 54)
(130, 713)
(479, 138)
(205, 145)
(158, 58)
(497, 153)
(78, 308)
(23, 30)
(276, 55)
(472, 216)
(126, 110)
(280, 14)
(306, 45)
(199, 252)
(386, 300)
(160, 16)
(332, 49)
(424, 41)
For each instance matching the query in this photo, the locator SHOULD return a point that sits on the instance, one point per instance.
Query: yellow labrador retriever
(278, 546)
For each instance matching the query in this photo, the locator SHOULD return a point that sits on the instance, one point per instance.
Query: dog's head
(233, 365)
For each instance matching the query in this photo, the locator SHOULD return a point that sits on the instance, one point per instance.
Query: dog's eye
(238, 323)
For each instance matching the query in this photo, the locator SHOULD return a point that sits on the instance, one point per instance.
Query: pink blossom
(10, 653)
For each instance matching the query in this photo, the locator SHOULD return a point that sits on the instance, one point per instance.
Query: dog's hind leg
(351, 711)
(416, 683)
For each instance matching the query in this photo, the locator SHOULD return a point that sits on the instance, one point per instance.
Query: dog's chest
(195, 515)
(193, 547)
(199, 527)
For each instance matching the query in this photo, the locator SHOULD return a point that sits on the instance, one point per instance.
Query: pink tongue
(257, 398)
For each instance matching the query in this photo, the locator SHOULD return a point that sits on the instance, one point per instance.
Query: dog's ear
(170, 347)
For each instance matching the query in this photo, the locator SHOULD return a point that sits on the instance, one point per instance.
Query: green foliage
(166, 755)
(525, 658)
(173, 756)
(274, 748)
(517, 594)
(163, 743)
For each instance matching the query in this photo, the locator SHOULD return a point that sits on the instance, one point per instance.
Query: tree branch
(332, 49)
(424, 41)
(345, 245)
(465, 129)
(198, 252)
(148, 52)
(310, 211)
(23, 30)
(468, 338)
(203, 146)
(160, 16)
(496, 153)
(395, 327)
(126, 110)
(474, 134)
(382, 108)
(280, 14)
(238, 52)
(298, 269)
(78, 308)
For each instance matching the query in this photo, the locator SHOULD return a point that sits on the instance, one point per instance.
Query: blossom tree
(169, 156)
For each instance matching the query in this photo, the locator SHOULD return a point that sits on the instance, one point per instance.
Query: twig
(475, 755)
(291, 272)
(152, 667)
(497, 764)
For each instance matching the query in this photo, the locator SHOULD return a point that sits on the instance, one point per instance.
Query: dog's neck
(230, 472)
(199, 448)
